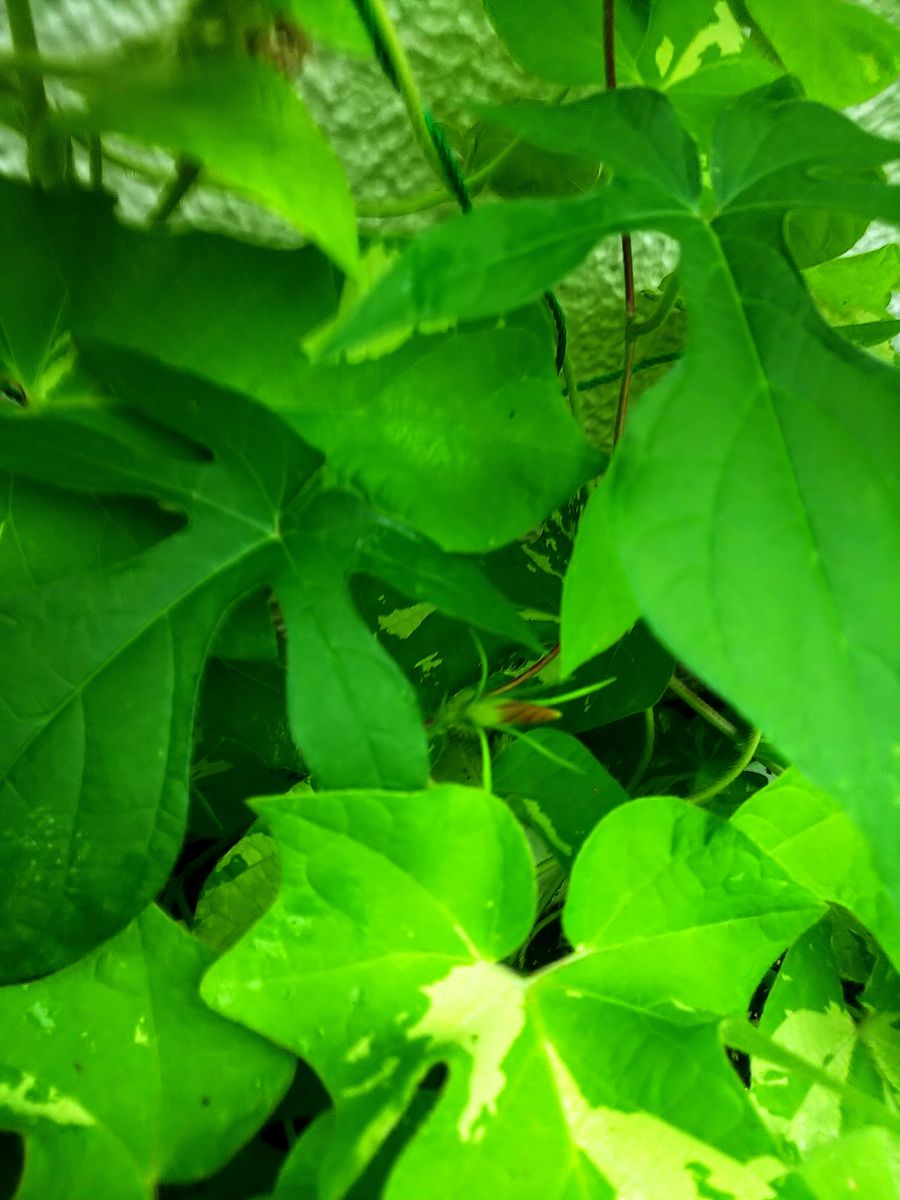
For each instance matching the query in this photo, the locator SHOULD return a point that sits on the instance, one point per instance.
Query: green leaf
(464, 436)
(774, 153)
(856, 291)
(813, 839)
(502, 256)
(240, 888)
(725, 487)
(242, 744)
(805, 1013)
(526, 170)
(639, 668)
(725, 494)
(854, 54)
(106, 282)
(598, 607)
(402, 428)
(341, 679)
(701, 96)
(560, 40)
(861, 1163)
(104, 661)
(248, 128)
(635, 132)
(119, 1077)
(364, 541)
(560, 798)
(334, 22)
(553, 1082)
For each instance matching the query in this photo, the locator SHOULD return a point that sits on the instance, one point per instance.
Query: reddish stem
(609, 62)
(534, 669)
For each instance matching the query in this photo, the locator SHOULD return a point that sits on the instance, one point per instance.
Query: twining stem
(393, 61)
(680, 689)
(647, 751)
(609, 62)
(736, 769)
(181, 183)
(413, 204)
(42, 157)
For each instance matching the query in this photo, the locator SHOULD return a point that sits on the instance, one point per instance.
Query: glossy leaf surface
(534, 1093)
(118, 1075)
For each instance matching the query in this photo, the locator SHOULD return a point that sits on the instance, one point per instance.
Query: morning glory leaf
(597, 607)
(104, 660)
(561, 798)
(248, 129)
(854, 54)
(537, 1092)
(240, 888)
(464, 436)
(811, 836)
(119, 1077)
(806, 1013)
(557, 40)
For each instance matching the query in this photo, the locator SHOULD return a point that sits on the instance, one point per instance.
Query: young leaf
(597, 607)
(854, 54)
(240, 888)
(248, 129)
(561, 798)
(553, 1083)
(118, 1075)
(856, 291)
(813, 839)
(805, 1013)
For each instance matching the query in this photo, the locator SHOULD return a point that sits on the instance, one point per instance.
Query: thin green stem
(746, 757)
(540, 749)
(680, 689)
(643, 762)
(576, 694)
(412, 204)
(395, 64)
(487, 777)
(181, 183)
(639, 329)
(46, 154)
(482, 662)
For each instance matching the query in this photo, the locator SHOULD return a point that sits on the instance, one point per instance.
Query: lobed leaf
(119, 1077)
(539, 1098)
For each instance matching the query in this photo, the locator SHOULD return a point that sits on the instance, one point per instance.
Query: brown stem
(609, 63)
(609, 42)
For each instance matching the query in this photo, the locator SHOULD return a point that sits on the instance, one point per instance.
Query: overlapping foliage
(322, 525)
